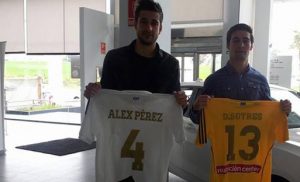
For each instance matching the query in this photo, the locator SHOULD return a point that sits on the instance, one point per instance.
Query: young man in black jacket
(142, 65)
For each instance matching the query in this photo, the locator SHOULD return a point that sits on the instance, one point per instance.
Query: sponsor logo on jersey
(238, 168)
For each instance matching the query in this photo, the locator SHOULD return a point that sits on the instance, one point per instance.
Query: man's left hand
(286, 106)
(181, 98)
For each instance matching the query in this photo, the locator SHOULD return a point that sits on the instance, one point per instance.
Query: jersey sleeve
(86, 132)
(177, 123)
(201, 137)
(281, 128)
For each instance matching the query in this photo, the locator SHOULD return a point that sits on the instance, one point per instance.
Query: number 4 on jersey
(137, 154)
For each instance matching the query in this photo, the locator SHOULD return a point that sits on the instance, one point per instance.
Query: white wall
(230, 18)
(2, 53)
(261, 50)
(247, 12)
(247, 15)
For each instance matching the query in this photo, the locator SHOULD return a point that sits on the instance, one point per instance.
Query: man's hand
(181, 98)
(91, 89)
(201, 102)
(286, 106)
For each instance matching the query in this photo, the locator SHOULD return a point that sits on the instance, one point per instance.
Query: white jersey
(134, 131)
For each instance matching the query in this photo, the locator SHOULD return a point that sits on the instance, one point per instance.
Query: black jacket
(124, 69)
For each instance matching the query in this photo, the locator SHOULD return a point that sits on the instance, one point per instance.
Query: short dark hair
(242, 27)
(148, 5)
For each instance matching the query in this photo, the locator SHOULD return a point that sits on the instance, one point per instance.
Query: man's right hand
(201, 102)
(91, 89)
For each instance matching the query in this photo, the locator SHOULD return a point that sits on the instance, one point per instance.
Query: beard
(147, 39)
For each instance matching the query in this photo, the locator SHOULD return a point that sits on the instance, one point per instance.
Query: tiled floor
(25, 166)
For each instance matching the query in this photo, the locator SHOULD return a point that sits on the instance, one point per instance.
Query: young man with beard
(237, 79)
(142, 65)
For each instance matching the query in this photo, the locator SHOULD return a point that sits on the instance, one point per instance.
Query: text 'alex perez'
(135, 115)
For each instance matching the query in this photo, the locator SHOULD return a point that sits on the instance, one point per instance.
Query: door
(96, 38)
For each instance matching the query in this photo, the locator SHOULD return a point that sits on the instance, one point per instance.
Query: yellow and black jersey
(242, 135)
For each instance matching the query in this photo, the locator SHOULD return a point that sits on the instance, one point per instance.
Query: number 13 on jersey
(249, 130)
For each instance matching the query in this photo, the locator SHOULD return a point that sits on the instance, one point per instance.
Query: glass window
(205, 65)
(41, 88)
(218, 60)
(188, 69)
(180, 66)
(285, 35)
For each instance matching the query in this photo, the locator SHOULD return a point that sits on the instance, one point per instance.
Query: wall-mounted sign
(281, 71)
(131, 9)
(103, 48)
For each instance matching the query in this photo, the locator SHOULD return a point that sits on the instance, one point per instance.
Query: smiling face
(148, 27)
(240, 45)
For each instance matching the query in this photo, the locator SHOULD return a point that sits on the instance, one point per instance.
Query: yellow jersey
(242, 134)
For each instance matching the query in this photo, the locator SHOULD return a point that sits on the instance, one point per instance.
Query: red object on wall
(102, 47)
(131, 8)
